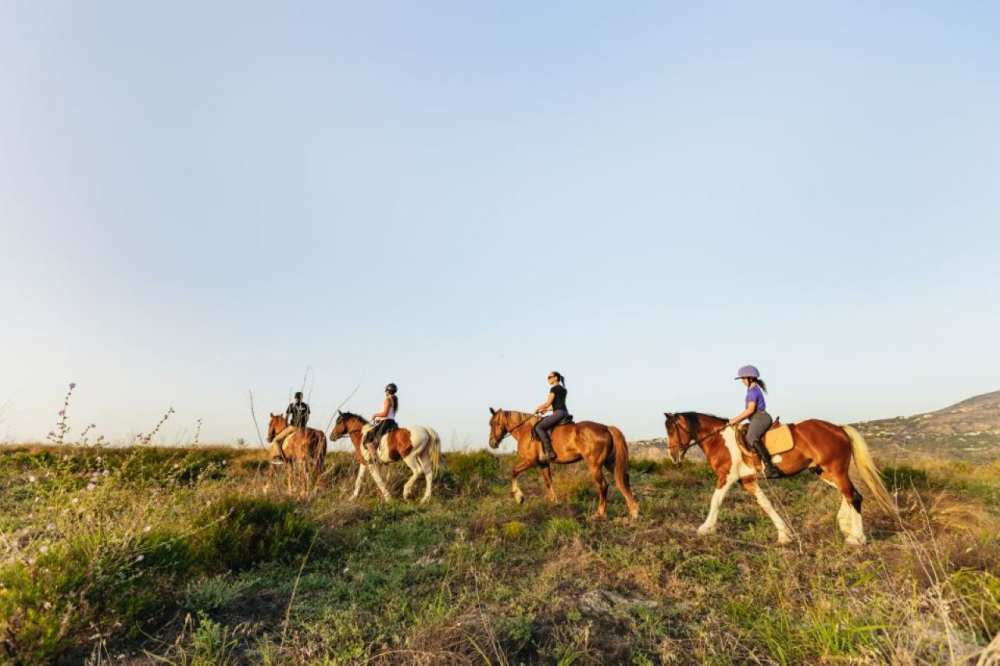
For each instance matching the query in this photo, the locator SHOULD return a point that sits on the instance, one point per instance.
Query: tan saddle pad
(778, 439)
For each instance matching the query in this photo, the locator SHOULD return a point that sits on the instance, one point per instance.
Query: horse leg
(602, 490)
(722, 487)
(547, 478)
(522, 464)
(270, 477)
(373, 470)
(414, 466)
(849, 515)
(755, 490)
(428, 469)
(362, 468)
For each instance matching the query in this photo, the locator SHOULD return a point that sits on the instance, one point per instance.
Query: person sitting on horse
(296, 416)
(760, 420)
(385, 421)
(557, 403)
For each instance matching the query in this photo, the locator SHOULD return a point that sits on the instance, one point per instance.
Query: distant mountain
(969, 429)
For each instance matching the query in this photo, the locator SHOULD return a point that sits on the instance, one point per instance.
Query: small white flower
(32, 479)
(99, 458)
(31, 560)
(50, 526)
(75, 500)
(140, 558)
(146, 529)
(90, 486)
(43, 550)
(106, 473)
(37, 498)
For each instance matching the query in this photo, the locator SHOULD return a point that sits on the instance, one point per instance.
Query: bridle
(691, 439)
(507, 431)
(350, 432)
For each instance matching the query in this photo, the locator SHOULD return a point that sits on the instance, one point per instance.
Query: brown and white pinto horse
(303, 445)
(821, 447)
(596, 444)
(418, 446)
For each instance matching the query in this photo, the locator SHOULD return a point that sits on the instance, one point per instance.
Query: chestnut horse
(305, 444)
(596, 444)
(821, 447)
(419, 447)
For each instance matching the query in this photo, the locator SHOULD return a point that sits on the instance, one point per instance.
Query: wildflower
(32, 479)
(72, 385)
(31, 560)
(50, 526)
(146, 528)
(62, 412)
(52, 433)
(65, 456)
(90, 486)
(98, 458)
(106, 473)
(43, 550)
(140, 558)
(94, 425)
(75, 500)
(37, 498)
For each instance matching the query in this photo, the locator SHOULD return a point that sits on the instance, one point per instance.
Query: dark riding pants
(375, 434)
(548, 423)
(759, 423)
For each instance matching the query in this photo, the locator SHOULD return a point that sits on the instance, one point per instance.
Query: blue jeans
(542, 427)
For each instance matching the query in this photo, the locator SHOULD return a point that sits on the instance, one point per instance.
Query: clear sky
(198, 199)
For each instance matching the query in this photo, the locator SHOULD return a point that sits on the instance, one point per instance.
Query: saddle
(778, 439)
(567, 420)
(380, 430)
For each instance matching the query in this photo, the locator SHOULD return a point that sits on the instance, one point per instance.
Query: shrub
(239, 532)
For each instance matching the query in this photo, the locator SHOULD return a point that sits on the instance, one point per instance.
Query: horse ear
(492, 411)
(340, 412)
(272, 416)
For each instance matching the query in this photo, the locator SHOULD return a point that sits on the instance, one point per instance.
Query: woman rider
(760, 420)
(557, 402)
(385, 421)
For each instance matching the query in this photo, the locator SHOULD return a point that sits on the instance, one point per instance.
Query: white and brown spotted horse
(824, 448)
(417, 446)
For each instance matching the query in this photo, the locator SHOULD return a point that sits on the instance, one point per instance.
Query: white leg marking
(414, 466)
(765, 504)
(844, 516)
(425, 464)
(379, 482)
(708, 527)
(357, 484)
(857, 537)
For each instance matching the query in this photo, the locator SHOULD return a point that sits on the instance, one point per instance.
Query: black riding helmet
(391, 388)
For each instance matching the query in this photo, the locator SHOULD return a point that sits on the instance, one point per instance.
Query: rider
(385, 421)
(557, 401)
(760, 420)
(296, 416)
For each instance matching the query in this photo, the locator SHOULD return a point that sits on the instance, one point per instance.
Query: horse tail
(320, 454)
(868, 471)
(434, 450)
(619, 456)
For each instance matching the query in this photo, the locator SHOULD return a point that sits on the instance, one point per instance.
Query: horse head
(674, 443)
(277, 424)
(498, 427)
(342, 427)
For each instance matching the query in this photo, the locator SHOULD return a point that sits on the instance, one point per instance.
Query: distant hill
(976, 416)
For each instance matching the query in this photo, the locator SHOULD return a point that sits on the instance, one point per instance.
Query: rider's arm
(747, 413)
(385, 410)
(544, 407)
(305, 417)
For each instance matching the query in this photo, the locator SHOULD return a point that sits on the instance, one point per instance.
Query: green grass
(178, 555)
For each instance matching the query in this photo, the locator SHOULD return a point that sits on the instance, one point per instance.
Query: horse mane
(516, 419)
(694, 418)
(352, 415)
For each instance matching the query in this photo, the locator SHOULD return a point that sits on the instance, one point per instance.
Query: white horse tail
(869, 472)
(434, 450)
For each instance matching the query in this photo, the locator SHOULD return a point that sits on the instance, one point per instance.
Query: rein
(509, 430)
(691, 441)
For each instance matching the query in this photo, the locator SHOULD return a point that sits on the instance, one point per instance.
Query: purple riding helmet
(749, 371)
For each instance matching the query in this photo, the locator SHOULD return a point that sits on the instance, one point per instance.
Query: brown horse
(821, 447)
(418, 446)
(303, 445)
(596, 444)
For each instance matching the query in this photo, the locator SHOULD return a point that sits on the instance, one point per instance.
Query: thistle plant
(58, 436)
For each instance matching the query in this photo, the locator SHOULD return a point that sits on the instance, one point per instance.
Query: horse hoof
(634, 515)
(855, 541)
(784, 540)
(706, 531)
(519, 498)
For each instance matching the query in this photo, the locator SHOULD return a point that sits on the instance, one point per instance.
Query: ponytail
(562, 380)
(760, 382)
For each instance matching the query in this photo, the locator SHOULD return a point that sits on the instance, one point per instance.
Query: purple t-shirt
(756, 396)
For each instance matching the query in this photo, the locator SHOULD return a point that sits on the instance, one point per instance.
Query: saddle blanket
(777, 440)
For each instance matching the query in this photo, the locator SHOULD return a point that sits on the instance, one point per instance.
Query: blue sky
(201, 199)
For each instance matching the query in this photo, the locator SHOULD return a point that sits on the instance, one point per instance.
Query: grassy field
(175, 555)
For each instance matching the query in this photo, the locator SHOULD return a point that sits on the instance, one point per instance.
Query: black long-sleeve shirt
(298, 414)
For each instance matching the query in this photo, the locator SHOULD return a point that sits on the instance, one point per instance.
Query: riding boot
(548, 454)
(770, 471)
